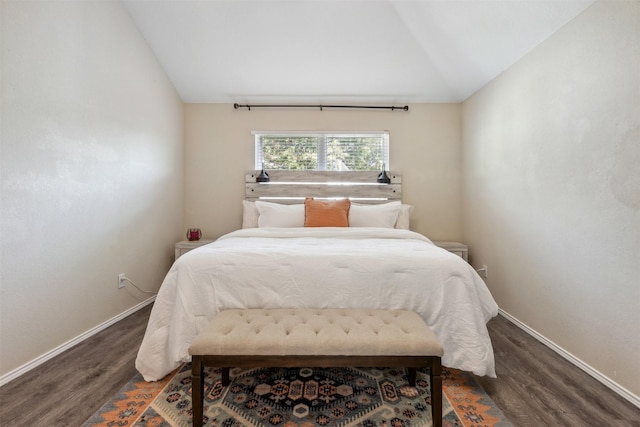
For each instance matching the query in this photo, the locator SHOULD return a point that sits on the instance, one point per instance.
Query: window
(322, 151)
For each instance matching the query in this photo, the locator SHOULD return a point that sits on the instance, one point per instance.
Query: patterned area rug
(303, 397)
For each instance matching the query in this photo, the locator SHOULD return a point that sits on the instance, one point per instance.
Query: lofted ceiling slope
(327, 51)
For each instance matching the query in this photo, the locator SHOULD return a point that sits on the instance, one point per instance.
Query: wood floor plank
(535, 386)
(68, 389)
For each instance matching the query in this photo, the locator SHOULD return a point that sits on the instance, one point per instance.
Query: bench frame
(199, 362)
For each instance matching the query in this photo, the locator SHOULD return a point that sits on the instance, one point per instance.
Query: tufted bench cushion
(316, 338)
(317, 331)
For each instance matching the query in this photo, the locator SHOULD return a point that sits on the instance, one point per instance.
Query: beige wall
(92, 173)
(551, 171)
(424, 146)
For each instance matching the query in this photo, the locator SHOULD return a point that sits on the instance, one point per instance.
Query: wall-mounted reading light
(263, 176)
(383, 178)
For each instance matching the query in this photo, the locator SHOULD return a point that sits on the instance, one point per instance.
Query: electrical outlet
(121, 278)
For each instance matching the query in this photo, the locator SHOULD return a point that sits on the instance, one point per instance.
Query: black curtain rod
(321, 107)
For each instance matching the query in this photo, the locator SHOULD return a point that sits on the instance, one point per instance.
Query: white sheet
(321, 267)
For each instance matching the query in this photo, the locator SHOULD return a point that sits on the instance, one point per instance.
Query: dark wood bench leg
(435, 380)
(412, 376)
(225, 377)
(197, 390)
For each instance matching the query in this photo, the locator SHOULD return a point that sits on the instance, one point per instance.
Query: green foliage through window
(335, 152)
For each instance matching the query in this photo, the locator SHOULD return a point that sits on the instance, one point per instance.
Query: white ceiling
(322, 51)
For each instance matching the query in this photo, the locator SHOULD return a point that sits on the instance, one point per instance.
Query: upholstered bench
(316, 338)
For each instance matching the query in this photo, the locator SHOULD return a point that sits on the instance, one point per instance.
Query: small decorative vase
(194, 234)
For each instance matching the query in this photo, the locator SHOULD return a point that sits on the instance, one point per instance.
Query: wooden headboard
(294, 186)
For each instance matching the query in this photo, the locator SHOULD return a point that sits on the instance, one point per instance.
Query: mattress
(324, 267)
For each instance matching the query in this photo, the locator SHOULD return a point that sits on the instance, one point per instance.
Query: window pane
(290, 152)
(354, 152)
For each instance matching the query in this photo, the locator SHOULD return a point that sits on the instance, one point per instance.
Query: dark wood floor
(535, 386)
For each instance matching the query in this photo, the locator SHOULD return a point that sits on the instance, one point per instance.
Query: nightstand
(187, 245)
(454, 247)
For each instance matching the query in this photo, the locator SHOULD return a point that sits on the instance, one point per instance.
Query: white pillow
(249, 214)
(404, 216)
(278, 215)
(383, 215)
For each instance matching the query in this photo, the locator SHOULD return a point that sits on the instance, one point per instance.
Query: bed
(282, 264)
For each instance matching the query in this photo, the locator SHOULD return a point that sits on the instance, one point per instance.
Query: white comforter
(321, 267)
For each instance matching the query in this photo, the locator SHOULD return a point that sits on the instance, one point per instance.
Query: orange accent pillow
(326, 213)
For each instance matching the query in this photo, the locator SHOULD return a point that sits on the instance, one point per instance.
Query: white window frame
(322, 143)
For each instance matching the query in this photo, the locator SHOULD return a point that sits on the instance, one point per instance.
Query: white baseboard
(608, 382)
(10, 376)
